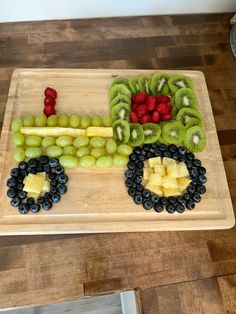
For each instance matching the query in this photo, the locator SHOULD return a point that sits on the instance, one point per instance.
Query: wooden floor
(175, 272)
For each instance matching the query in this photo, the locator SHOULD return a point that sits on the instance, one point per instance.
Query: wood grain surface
(176, 272)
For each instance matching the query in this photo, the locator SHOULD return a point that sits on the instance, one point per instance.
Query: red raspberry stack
(49, 101)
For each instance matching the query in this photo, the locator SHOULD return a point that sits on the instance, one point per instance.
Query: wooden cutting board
(97, 200)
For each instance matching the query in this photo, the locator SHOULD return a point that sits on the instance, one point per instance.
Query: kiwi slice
(120, 80)
(151, 132)
(120, 111)
(185, 97)
(162, 141)
(185, 114)
(195, 139)
(136, 137)
(121, 131)
(144, 84)
(174, 112)
(134, 85)
(159, 84)
(193, 122)
(173, 132)
(179, 81)
(120, 98)
(119, 89)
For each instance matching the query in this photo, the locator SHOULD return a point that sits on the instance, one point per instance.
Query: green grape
(33, 152)
(104, 162)
(69, 150)
(83, 151)
(19, 154)
(87, 161)
(63, 120)
(18, 139)
(68, 161)
(48, 141)
(97, 141)
(54, 151)
(74, 120)
(64, 140)
(98, 152)
(96, 121)
(85, 122)
(33, 140)
(81, 141)
(41, 120)
(16, 125)
(120, 160)
(28, 121)
(106, 121)
(124, 149)
(52, 120)
(111, 146)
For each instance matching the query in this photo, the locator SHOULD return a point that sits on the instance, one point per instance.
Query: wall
(28, 10)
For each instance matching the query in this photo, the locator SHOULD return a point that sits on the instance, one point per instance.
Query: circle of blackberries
(149, 200)
(55, 174)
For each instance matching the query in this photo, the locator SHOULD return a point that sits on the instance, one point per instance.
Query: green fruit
(16, 125)
(136, 137)
(195, 139)
(173, 132)
(74, 120)
(104, 162)
(69, 150)
(96, 121)
(63, 120)
(117, 90)
(179, 81)
(120, 160)
(97, 141)
(144, 84)
(18, 139)
(120, 98)
(193, 122)
(40, 120)
(134, 85)
(120, 111)
(120, 80)
(111, 146)
(121, 131)
(83, 151)
(48, 141)
(81, 141)
(64, 140)
(33, 152)
(174, 111)
(98, 152)
(52, 121)
(28, 121)
(106, 121)
(33, 140)
(159, 84)
(185, 114)
(68, 161)
(85, 122)
(124, 149)
(162, 141)
(18, 154)
(185, 97)
(54, 151)
(87, 161)
(151, 132)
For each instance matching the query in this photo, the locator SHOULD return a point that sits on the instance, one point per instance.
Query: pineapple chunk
(34, 195)
(99, 131)
(182, 170)
(171, 192)
(168, 161)
(172, 170)
(169, 183)
(183, 183)
(46, 187)
(155, 179)
(147, 172)
(43, 174)
(51, 131)
(33, 183)
(160, 169)
(155, 189)
(152, 162)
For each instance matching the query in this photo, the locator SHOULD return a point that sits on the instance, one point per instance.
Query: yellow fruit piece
(172, 170)
(182, 170)
(169, 183)
(147, 172)
(52, 131)
(168, 161)
(154, 188)
(33, 183)
(34, 195)
(155, 179)
(46, 187)
(99, 131)
(160, 169)
(152, 162)
(171, 192)
(42, 174)
(183, 183)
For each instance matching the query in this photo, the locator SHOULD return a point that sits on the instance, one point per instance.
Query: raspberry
(141, 110)
(163, 108)
(169, 107)
(166, 117)
(133, 117)
(49, 101)
(49, 110)
(140, 97)
(144, 119)
(134, 107)
(151, 103)
(162, 99)
(155, 117)
(51, 92)
(133, 99)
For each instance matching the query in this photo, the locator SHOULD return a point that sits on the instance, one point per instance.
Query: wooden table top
(175, 272)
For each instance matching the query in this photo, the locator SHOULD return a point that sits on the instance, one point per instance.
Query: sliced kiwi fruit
(120, 80)
(159, 84)
(193, 122)
(120, 98)
(119, 89)
(151, 132)
(173, 132)
(144, 84)
(185, 114)
(120, 111)
(195, 139)
(185, 97)
(136, 137)
(121, 131)
(179, 81)
(162, 141)
(134, 85)
(174, 112)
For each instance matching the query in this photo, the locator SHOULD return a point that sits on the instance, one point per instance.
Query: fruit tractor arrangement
(152, 132)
